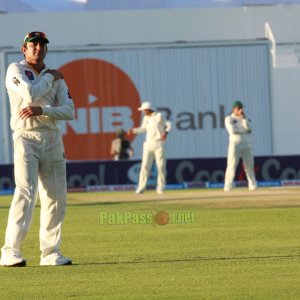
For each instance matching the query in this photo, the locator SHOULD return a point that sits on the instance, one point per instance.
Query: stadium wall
(154, 26)
(174, 25)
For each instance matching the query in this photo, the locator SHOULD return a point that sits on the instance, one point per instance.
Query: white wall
(286, 108)
(117, 27)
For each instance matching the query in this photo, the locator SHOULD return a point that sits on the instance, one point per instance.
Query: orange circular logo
(162, 218)
(105, 99)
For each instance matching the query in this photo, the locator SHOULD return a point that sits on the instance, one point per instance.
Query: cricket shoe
(227, 189)
(159, 192)
(138, 191)
(55, 259)
(253, 188)
(12, 260)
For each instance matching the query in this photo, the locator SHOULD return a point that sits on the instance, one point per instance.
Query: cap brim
(35, 38)
(146, 108)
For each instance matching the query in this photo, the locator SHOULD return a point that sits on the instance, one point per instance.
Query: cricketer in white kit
(38, 97)
(156, 129)
(239, 131)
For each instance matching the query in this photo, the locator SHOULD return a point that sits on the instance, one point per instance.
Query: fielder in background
(156, 129)
(120, 147)
(38, 97)
(239, 130)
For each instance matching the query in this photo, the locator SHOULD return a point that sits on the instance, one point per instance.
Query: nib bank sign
(105, 99)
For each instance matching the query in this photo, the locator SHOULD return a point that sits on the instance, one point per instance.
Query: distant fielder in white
(38, 97)
(239, 130)
(156, 129)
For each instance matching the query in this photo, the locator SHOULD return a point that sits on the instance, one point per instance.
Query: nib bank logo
(105, 99)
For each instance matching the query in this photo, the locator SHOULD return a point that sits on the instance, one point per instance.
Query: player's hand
(57, 74)
(30, 111)
(164, 136)
(242, 114)
(131, 152)
(130, 131)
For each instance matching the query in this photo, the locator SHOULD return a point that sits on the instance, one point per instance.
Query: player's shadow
(194, 259)
(170, 261)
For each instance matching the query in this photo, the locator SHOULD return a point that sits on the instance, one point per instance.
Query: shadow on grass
(170, 261)
(250, 258)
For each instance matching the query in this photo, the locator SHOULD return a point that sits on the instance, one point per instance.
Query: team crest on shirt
(29, 75)
(16, 81)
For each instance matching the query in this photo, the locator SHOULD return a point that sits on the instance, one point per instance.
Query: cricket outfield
(185, 244)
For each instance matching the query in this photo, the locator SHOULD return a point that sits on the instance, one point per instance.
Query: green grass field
(237, 245)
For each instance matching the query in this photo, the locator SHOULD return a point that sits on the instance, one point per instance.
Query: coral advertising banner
(106, 99)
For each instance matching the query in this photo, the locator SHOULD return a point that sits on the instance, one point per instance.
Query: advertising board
(192, 84)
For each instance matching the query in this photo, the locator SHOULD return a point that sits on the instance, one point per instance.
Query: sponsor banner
(108, 84)
(106, 99)
(241, 183)
(7, 192)
(196, 184)
(175, 186)
(7, 177)
(269, 183)
(110, 188)
(290, 182)
(186, 172)
(77, 190)
(186, 185)
(215, 185)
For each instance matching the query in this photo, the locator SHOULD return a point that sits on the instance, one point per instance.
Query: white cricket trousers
(39, 168)
(235, 152)
(151, 151)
